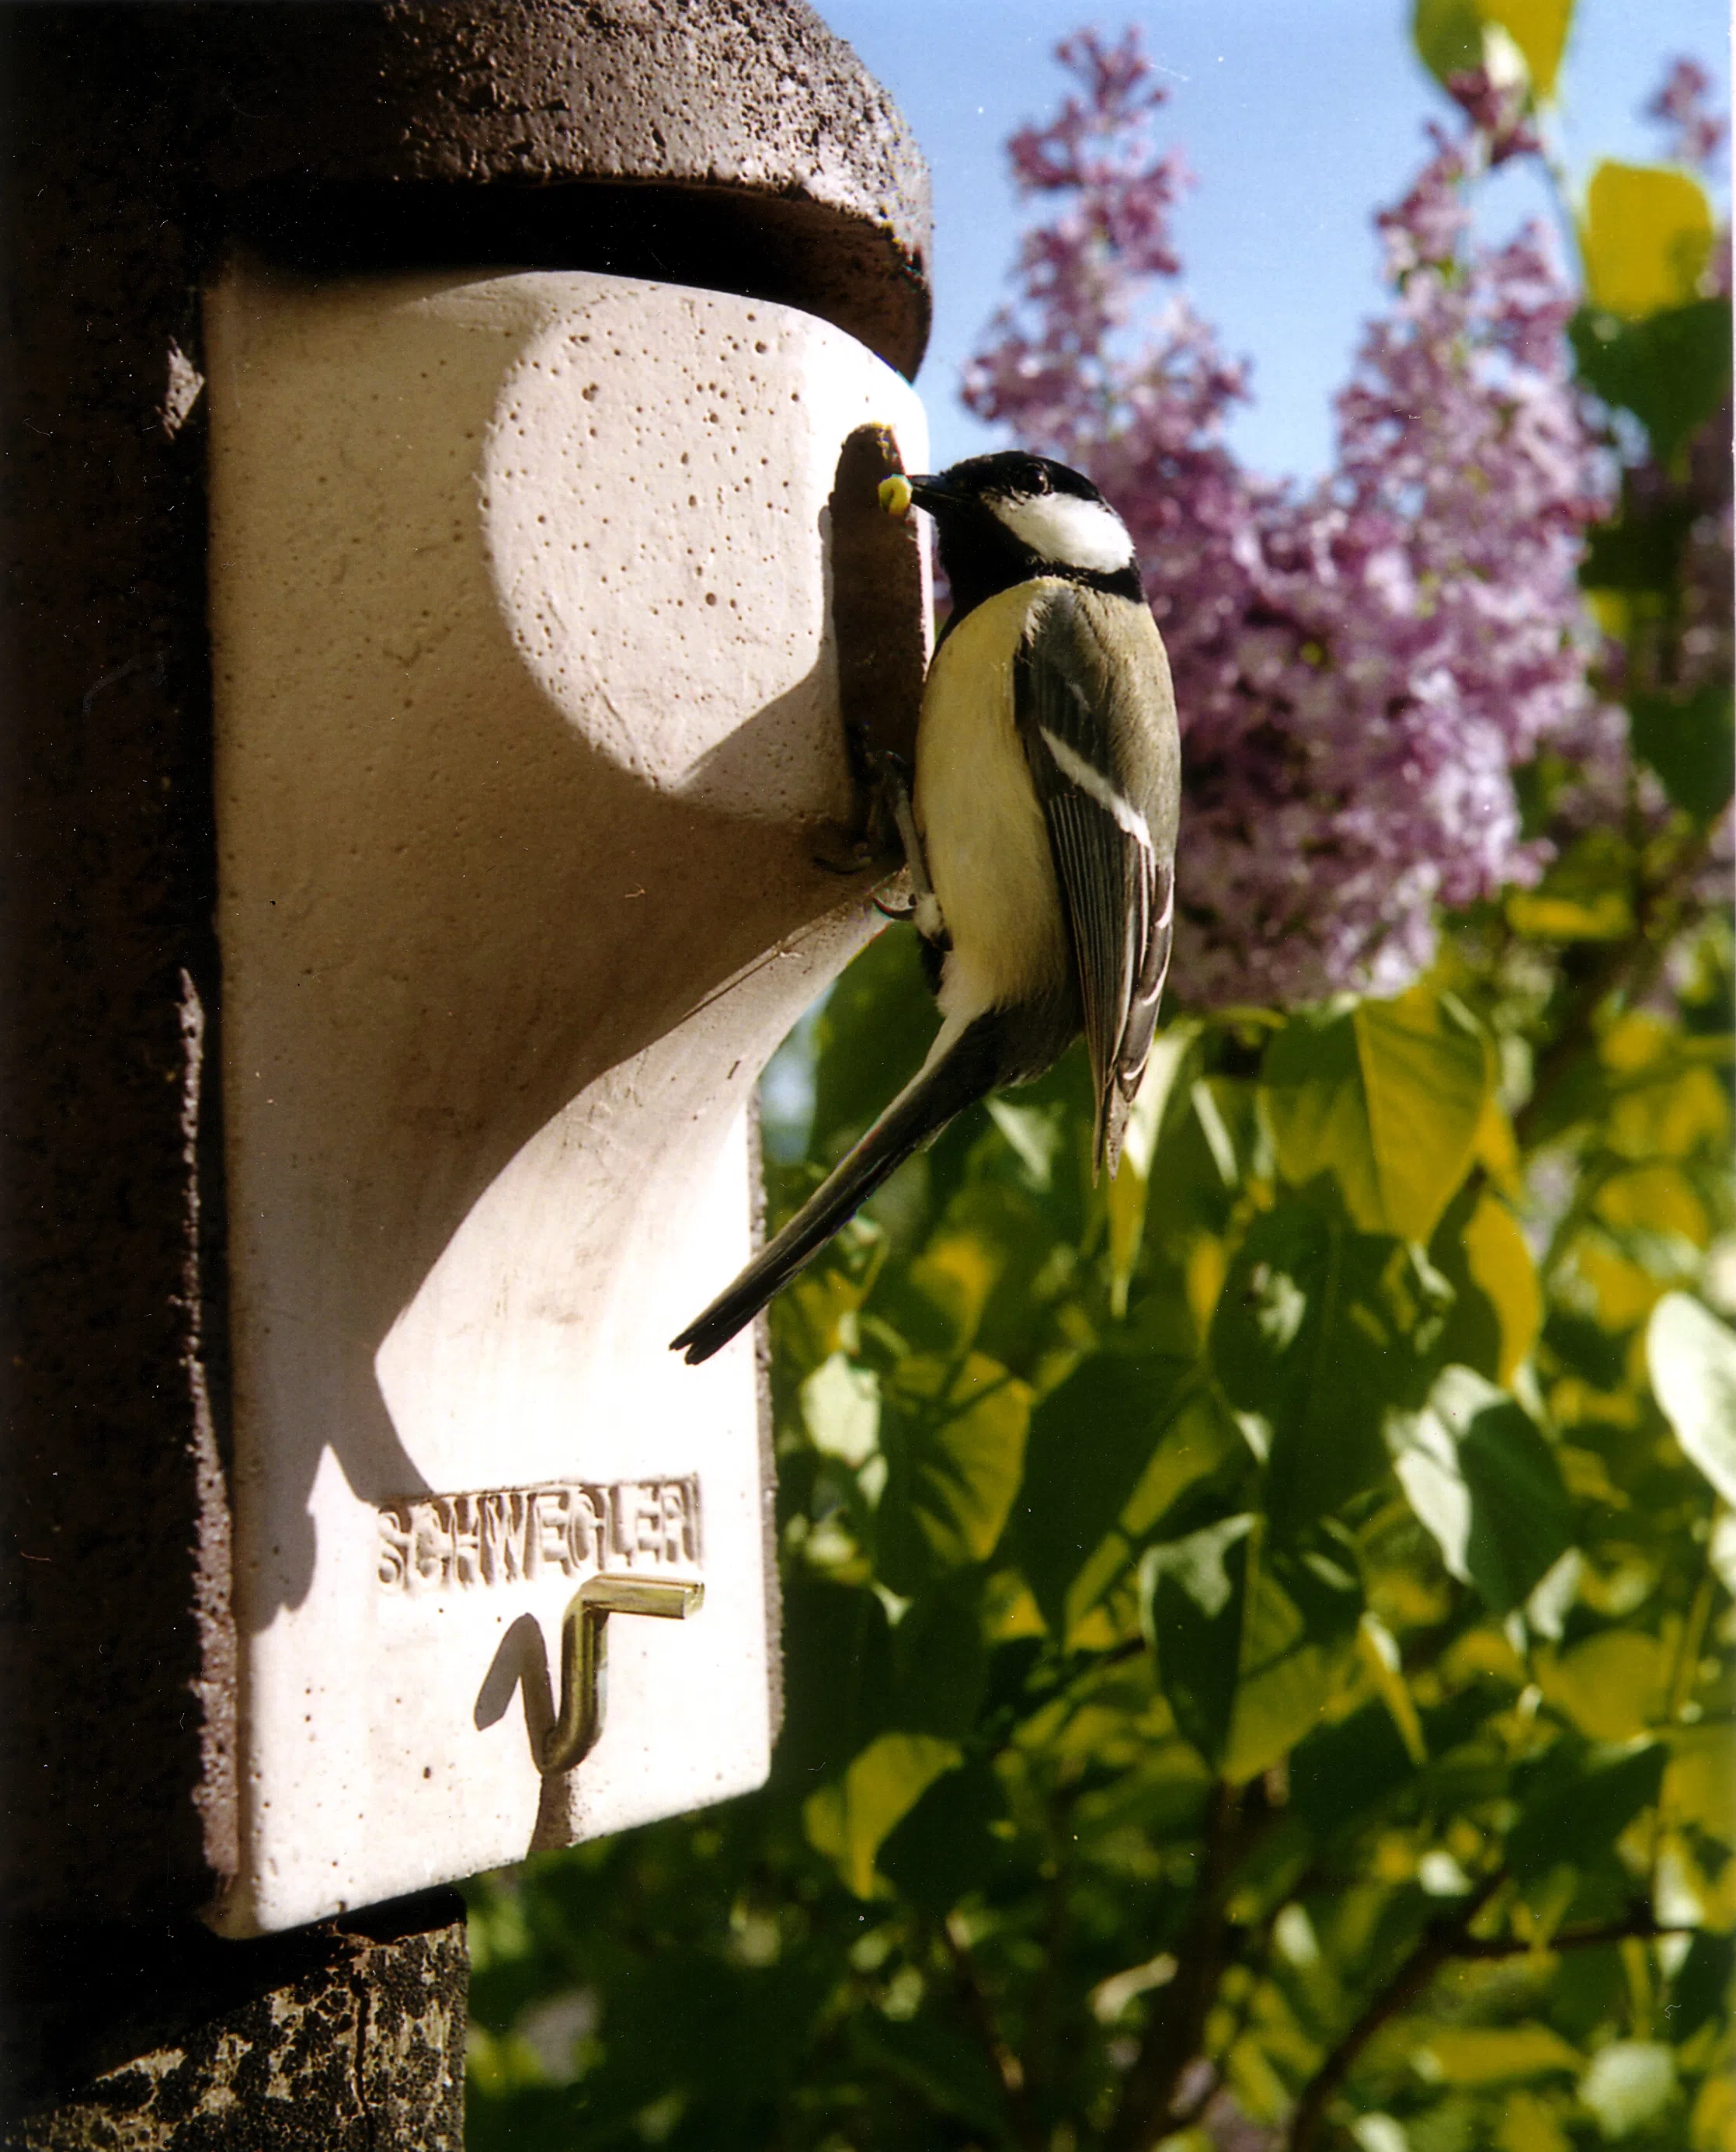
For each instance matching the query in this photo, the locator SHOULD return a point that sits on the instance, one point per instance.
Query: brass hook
(584, 1654)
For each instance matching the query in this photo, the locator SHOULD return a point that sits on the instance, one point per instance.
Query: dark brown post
(690, 140)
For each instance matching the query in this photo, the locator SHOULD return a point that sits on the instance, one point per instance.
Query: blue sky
(1298, 117)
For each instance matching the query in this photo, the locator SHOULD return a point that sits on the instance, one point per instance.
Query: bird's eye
(1042, 485)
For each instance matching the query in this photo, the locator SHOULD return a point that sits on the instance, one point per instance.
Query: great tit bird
(1041, 835)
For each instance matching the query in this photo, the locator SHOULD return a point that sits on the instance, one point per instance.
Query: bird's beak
(932, 493)
(898, 493)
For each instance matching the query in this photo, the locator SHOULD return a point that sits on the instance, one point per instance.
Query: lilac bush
(1361, 664)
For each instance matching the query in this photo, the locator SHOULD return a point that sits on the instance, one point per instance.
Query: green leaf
(1575, 1816)
(732, 2035)
(1645, 237)
(1298, 1641)
(954, 1437)
(1451, 36)
(1690, 740)
(1640, 551)
(947, 2070)
(840, 1409)
(1447, 35)
(1341, 1772)
(1629, 2087)
(1191, 1597)
(956, 1273)
(1701, 1989)
(876, 1027)
(1691, 1356)
(947, 1845)
(1091, 1441)
(1127, 1192)
(848, 1821)
(1198, 1470)
(837, 1677)
(1388, 1098)
(1030, 1241)
(1487, 1485)
(940, 1659)
(1672, 370)
(1320, 1331)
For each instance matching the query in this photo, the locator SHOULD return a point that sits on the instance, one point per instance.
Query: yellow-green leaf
(1656, 1199)
(1501, 1265)
(1699, 1786)
(1670, 1117)
(1612, 1686)
(1539, 28)
(1389, 1099)
(1378, 1650)
(1606, 916)
(956, 1273)
(956, 1448)
(1299, 1640)
(1276, 1707)
(1497, 1149)
(1646, 236)
(1126, 1198)
(850, 1821)
(1493, 2054)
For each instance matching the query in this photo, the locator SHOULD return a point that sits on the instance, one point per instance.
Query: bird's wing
(1091, 768)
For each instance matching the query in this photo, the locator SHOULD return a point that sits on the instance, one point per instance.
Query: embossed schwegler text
(515, 1535)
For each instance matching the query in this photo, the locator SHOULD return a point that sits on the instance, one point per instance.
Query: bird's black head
(1002, 518)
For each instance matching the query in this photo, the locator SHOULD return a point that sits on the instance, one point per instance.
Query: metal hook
(584, 1654)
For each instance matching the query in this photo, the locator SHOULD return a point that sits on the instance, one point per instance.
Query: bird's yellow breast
(976, 810)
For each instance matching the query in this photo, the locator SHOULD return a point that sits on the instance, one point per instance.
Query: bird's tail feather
(954, 1076)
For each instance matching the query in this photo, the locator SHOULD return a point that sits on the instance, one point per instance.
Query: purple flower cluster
(1360, 665)
(1683, 106)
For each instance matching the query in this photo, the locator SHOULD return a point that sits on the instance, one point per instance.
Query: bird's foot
(894, 791)
(894, 899)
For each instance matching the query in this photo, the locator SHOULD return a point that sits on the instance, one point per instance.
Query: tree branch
(1041, 2036)
(1439, 1946)
(1023, 2122)
(1439, 1943)
(1175, 2029)
(1642, 1928)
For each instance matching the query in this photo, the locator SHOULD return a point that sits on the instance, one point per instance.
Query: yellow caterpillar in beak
(894, 495)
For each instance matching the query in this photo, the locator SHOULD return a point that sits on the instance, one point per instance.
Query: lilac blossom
(1499, 114)
(1683, 105)
(1360, 665)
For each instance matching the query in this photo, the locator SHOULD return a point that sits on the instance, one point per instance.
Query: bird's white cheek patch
(1060, 527)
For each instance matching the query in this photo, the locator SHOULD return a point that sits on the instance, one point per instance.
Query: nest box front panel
(528, 734)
